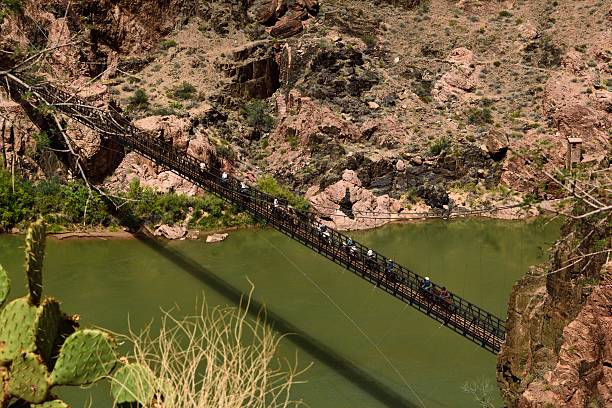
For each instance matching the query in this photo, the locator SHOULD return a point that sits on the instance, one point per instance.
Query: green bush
(369, 40)
(477, 116)
(183, 92)
(256, 114)
(209, 211)
(63, 206)
(42, 142)
(167, 44)
(9, 6)
(269, 185)
(442, 144)
(139, 100)
(224, 151)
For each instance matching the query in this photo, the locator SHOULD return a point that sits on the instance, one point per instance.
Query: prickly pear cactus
(5, 285)
(4, 394)
(51, 404)
(133, 383)
(85, 357)
(49, 318)
(40, 347)
(17, 329)
(34, 255)
(29, 378)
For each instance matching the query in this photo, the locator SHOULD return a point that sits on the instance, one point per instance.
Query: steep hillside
(429, 103)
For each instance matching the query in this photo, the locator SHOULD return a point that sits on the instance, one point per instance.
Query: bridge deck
(456, 313)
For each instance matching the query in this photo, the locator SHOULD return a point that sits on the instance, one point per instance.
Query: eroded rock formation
(558, 344)
(283, 16)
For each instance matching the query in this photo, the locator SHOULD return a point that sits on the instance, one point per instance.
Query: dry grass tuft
(218, 358)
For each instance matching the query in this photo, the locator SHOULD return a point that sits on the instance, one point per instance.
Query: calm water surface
(369, 350)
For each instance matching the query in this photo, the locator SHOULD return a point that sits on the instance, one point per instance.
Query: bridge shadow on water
(299, 338)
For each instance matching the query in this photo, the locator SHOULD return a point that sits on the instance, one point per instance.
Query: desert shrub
(422, 6)
(64, 205)
(80, 205)
(139, 100)
(442, 144)
(146, 206)
(225, 151)
(482, 391)
(369, 40)
(256, 114)
(42, 141)
(269, 185)
(167, 44)
(183, 91)
(9, 6)
(61, 205)
(477, 116)
(293, 140)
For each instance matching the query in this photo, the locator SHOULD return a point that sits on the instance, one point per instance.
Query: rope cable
(348, 317)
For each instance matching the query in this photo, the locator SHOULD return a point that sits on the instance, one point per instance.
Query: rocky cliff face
(431, 104)
(558, 349)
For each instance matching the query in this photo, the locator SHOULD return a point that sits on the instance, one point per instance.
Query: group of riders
(430, 291)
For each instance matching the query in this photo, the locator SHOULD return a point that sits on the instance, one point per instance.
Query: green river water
(367, 348)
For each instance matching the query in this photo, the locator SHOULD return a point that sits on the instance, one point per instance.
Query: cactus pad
(17, 329)
(28, 378)
(4, 394)
(5, 285)
(47, 328)
(133, 383)
(34, 254)
(51, 404)
(85, 356)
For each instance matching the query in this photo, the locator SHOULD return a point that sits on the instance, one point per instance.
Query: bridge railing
(460, 314)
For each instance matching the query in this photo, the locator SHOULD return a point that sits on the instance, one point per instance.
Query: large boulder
(287, 26)
(435, 196)
(134, 166)
(496, 144)
(285, 17)
(170, 129)
(170, 232)
(213, 238)
(201, 148)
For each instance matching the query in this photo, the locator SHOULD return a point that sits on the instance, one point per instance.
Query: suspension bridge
(451, 310)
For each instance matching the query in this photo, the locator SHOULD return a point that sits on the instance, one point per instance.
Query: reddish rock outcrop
(310, 118)
(364, 203)
(558, 346)
(253, 71)
(98, 156)
(287, 26)
(170, 129)
(386, 132)
(519, 169)
(285, 17)
(173, 130)
(461, 78)
(16, 139)
(574, 113)
(583, 374)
